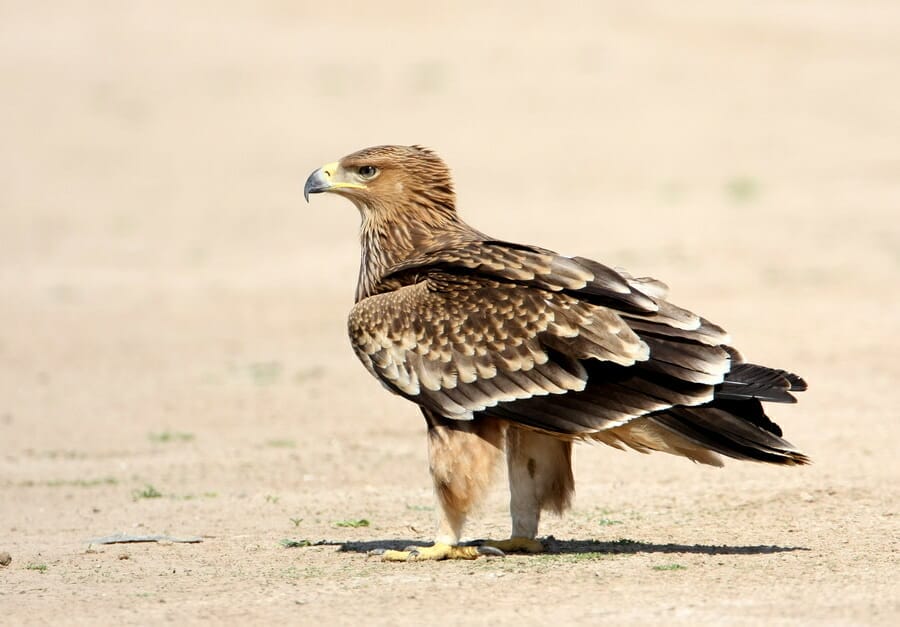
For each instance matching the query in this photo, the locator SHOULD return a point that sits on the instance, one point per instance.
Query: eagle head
(385, 178)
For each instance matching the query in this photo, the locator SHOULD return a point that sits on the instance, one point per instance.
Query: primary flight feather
(516, 349)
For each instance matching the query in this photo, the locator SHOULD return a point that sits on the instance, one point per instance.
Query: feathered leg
(463, 455)
(540, 478)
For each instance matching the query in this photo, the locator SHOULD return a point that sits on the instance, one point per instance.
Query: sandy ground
(173, 357)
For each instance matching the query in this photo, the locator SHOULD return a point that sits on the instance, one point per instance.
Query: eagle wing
(564, 345)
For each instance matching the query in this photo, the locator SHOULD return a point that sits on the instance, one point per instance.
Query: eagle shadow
(583, 547)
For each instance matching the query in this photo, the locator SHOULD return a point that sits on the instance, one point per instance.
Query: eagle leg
(540, 477)
(462, 456)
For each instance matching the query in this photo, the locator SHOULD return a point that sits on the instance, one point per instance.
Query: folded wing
(570, 347)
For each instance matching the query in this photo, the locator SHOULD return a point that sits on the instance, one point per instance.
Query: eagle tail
(746, 381)
(733, 429)
(733, 424)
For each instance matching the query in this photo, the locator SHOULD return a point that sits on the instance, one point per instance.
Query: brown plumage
(516, 348)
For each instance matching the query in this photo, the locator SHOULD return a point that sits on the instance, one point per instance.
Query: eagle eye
(367, 171)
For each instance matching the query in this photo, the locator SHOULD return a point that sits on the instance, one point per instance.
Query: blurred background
(173, 350)
(157, 260)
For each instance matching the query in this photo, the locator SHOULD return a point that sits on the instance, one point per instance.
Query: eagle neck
(389, 237)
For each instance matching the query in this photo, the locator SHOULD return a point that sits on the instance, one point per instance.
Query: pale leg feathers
(463, 456)
(540, 478)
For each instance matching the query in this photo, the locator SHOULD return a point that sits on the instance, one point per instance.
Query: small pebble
(5, 558)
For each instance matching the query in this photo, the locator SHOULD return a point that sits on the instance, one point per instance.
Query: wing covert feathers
(461, 344)
(534, 267)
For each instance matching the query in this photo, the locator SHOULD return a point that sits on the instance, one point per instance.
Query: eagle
(514, 349)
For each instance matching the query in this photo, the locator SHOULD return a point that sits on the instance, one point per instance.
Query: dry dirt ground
(173, 357)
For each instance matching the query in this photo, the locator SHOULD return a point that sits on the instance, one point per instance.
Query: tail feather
(733, 429)
(733, 423)
(750, 381)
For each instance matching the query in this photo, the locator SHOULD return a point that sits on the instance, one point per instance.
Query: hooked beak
(323, 180)
(319, 181)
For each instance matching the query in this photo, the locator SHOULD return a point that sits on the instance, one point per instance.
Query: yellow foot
(516, 545)
(469, 551)
(438, 552)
